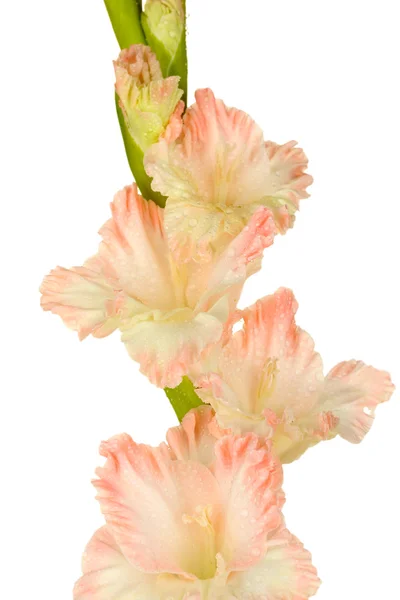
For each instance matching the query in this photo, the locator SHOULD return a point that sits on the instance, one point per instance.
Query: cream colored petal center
(266, 386)
(204, 539)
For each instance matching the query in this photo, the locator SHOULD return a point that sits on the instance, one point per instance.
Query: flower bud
(147, 100)
(165, 19)
(163, 22)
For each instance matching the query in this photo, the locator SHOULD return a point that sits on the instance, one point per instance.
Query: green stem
(183, 398)
(125, 19)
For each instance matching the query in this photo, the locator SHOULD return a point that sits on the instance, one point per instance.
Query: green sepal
(125, 19)
(183, 398)
(135, 158)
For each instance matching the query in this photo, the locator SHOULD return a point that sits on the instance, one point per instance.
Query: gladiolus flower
(199, 518)
(169, 313)
(148, 101)
(218, 172)
(268, 379)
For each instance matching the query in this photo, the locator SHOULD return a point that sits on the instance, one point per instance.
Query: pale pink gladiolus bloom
(218, 172)
(267, 378)
(169, 313)
(199, 518)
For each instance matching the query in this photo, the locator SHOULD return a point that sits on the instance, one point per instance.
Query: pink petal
(250, 478)
(241, 258)
(353, 391)
(174, 127)
(148, 499)
(139, 63)
(285, 572)
(134, 250)
(83, 298)
(270, 331)
(195, 438)
(167, 344)
(108, 575)
(288, 182)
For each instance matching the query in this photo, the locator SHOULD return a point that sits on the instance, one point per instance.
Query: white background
(324, 73)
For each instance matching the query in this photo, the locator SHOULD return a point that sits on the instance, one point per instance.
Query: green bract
(165, 20)
(164, 25)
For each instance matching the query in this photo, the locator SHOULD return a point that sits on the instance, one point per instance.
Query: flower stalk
(125, 20)
(200, 516)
